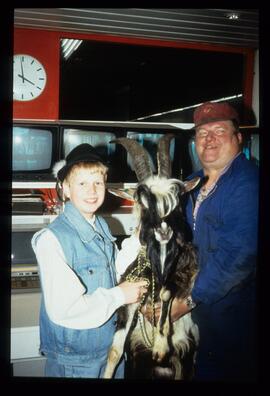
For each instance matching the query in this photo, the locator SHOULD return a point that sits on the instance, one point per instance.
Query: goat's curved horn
(163, 155)
(139, 156)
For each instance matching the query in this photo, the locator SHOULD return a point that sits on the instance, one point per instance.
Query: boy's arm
(129, 251)
(65, 299)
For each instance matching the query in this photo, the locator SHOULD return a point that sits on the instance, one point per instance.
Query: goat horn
(139, 156)
(163, 155)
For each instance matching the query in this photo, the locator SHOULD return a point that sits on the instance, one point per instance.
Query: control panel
(24, 279)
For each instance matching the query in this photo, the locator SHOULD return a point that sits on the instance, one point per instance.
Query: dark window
(124, 82)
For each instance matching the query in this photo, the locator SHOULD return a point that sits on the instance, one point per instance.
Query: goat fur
(173, 352)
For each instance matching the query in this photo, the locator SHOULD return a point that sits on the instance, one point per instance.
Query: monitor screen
(255, 148)
(34, 152)
(120, 164)
(196, 164)
(21, 248)
(98, 139)
(251, 146)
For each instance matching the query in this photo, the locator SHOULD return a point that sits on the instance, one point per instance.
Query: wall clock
(29, 77)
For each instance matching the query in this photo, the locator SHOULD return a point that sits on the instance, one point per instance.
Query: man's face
(217, 143)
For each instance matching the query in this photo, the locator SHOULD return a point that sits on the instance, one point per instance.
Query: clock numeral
(32, 94)
(32, 62)
(39, 69)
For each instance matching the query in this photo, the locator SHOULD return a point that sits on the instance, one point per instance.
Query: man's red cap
(211, 112)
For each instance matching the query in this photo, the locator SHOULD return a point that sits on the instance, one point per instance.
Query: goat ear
(191, 184)
(125, 193)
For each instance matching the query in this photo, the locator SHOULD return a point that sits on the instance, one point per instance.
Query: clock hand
(26, 79)
(22, 70)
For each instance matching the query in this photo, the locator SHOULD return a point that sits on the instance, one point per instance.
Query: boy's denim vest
(91, 255)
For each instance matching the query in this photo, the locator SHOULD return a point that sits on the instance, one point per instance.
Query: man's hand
(178, 309)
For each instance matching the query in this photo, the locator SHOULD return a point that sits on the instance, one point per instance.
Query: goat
(164, 349)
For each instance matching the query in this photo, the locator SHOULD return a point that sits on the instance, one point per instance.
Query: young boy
(76, 257)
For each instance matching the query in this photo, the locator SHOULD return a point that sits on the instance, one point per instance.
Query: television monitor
(99, 138)
(196, 164)
(120, 165)
(250, 145)
(21, 249)
(255, 148)
(35, 149)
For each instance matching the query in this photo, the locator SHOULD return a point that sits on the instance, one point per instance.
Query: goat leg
(176, 363)
(117, 348)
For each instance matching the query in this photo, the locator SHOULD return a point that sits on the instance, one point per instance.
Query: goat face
(159, 202)
(160, 192)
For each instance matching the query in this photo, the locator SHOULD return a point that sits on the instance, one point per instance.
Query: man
(223, 215)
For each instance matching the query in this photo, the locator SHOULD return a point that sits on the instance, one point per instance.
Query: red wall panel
(45, 46)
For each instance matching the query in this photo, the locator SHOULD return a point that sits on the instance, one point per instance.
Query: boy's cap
(82, 153)
(211, 112)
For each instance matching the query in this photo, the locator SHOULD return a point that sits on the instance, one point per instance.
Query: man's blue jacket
(225, 233)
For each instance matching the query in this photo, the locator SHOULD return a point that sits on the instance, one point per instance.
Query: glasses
(203, 133)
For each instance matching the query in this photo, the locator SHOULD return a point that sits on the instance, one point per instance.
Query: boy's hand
(133, 291)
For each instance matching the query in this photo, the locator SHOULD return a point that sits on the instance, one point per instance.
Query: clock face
(29, 78)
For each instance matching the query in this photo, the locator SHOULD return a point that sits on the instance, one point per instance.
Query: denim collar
(83, 227)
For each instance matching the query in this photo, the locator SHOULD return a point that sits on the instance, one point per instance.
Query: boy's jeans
(95, 370)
